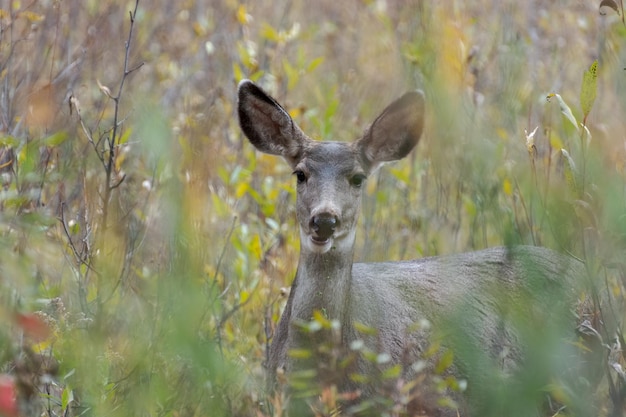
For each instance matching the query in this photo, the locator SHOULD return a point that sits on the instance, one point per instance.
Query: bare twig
(105, 145)
(214, 283)
(80, 257)
(113, 137)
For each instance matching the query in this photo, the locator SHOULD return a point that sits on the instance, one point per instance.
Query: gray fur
(388, 296)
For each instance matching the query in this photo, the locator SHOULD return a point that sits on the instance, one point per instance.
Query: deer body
(389, 296)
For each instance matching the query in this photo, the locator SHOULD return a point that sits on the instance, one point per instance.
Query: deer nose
(324, 225)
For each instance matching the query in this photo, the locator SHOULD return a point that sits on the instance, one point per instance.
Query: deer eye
(300, 176)
(357, 180)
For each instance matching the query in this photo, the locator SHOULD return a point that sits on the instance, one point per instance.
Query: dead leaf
(74, 104)
(104, 89)
(33, 326)
(41, 109)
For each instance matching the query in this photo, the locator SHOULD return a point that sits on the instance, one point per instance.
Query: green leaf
(392, 372)
(300, 353)
(589, 88)
(570, 172)
(444, 362)
(27, 158)
(315, 63)
(565, 109)
(67, 397)
(125, 136)
(9, 141)
(365, 330)
(55, 139)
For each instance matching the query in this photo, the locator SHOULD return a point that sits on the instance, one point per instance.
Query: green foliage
(589, 89)
(328, 364)
(146, 247)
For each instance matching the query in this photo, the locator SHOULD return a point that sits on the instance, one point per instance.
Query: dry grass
(163, 308)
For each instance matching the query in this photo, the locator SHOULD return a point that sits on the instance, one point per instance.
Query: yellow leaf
(555, 141)
(451, 52)
(295, 112)
(121, 157)
(198, 30)
(243, 296)
(242, 15)
(255, 247)
(237, 72)
(31, 16)
(242, 188)
(507, 187)
(43, 346)
(273, 194)
(319, 317)
(269, 33)
(502, 133)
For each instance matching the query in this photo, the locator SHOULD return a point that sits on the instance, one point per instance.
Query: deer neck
(323, 283)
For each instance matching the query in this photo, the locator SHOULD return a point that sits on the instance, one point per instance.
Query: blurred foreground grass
(146, 281)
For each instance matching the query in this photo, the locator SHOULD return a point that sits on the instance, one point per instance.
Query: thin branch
(221, 258)
(79, 257)
(217, 268)
(112, 139)
(130, 71)
(73, 101)
(232, 311)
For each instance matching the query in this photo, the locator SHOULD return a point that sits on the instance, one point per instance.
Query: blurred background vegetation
(144, 244)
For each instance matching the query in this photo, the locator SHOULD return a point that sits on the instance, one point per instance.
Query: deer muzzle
(324, 225)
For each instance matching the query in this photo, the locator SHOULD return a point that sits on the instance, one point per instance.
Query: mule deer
(388, 296)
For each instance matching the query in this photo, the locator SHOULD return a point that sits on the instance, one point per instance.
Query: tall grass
(145, 246)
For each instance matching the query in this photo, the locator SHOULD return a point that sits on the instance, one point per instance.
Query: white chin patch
(314, 245)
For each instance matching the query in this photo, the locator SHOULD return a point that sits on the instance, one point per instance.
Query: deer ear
(267, 125)
(395, 132)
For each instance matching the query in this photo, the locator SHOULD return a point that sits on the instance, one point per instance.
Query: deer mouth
(319, 244)
(321, 241)
(340, 240)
